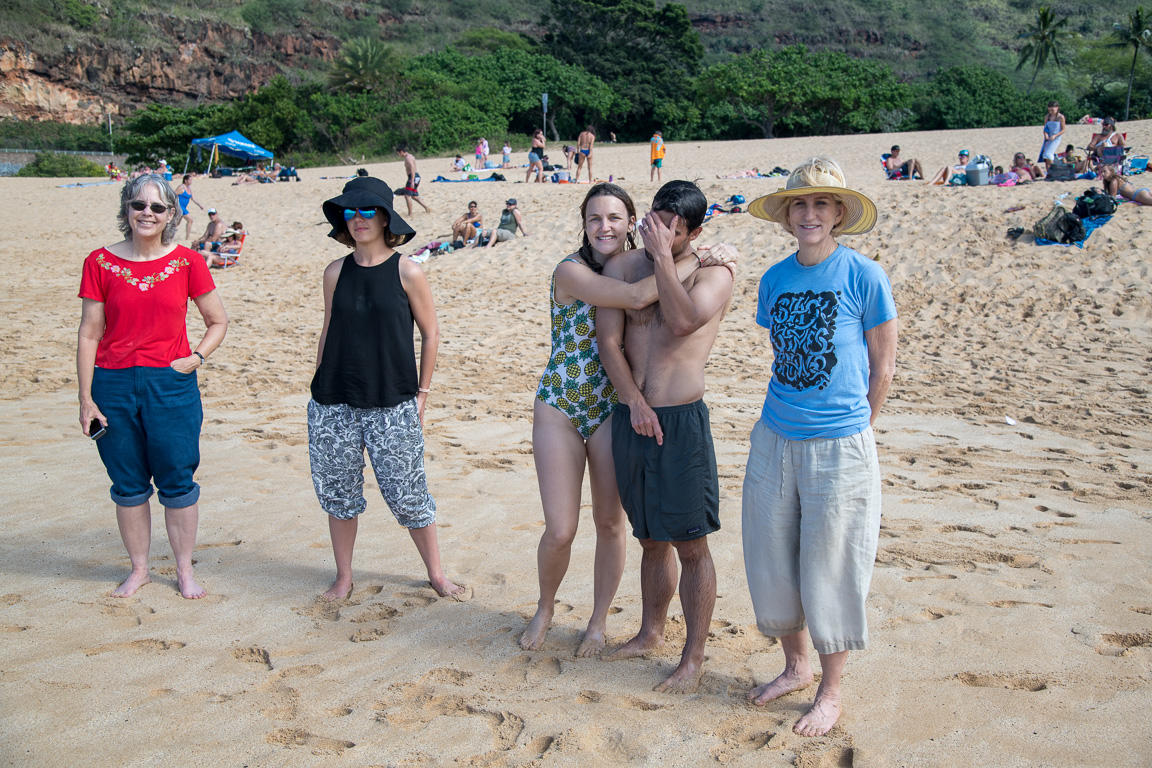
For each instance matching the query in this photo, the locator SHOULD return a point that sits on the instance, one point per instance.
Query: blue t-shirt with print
(817, 317)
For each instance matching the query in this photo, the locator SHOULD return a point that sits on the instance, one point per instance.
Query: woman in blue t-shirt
(811, 508)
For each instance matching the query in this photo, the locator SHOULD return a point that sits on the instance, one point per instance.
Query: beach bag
(1060, 226)
(1094, 203)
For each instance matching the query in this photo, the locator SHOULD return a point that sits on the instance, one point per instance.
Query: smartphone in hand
(96, 430)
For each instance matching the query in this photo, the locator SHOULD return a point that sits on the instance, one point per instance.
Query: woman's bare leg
(560, 455)
(343, 534)
(428, 545)
(611, 537)
(181, 524)
(135, 524)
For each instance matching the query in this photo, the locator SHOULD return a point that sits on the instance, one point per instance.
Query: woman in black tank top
(367, 392)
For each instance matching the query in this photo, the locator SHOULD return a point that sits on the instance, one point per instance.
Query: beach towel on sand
(493, 177)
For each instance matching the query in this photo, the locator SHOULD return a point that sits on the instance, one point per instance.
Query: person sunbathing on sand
(1116, 186)
(1025, 168)
(944, 175)
(751, 173)
(908, 169)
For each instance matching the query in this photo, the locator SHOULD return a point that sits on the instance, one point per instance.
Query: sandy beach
(1011, 606)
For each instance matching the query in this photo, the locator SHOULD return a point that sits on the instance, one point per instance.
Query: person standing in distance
(656, 154)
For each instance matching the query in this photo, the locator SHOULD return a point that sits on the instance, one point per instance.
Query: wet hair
(603, 189)
(684, 199)
(392, 240)
(132, 189)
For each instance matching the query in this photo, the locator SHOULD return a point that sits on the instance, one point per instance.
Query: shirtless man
(909, 169)
(411, 190)
(213, 234)
(665, 463)
(584, 144)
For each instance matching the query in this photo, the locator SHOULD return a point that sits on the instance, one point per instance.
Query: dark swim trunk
(671, 491)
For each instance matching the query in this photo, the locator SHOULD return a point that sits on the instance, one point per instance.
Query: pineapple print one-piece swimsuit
(575, 381)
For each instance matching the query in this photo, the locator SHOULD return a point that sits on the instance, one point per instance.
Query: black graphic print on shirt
(803, 327)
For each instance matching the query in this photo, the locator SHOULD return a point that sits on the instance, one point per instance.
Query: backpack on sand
(1060, 226)
(1094, 203)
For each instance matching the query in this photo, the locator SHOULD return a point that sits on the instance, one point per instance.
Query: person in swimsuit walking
(575, 400)
(411, 190)
(1054, 123)
(184, 196)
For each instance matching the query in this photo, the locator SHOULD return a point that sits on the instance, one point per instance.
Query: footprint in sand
(1011, 682)
(123, 608)
(138, 646)
(1118, 643)
(737, 740)
(1014, 603)
(375, 613)
(253, 655)
(294, 738)
(445, 675)
(368, 634)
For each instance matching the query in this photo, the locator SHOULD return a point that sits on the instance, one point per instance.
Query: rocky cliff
(196, 60)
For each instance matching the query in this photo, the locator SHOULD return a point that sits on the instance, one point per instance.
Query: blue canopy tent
(232, 143)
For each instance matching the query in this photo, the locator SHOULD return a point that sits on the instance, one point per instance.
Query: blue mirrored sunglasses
(365, 213)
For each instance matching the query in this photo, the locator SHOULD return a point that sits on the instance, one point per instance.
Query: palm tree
(363, 65)
(1044, 41)
(1135, 33)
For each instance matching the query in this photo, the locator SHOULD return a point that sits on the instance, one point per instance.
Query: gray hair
(132, 189)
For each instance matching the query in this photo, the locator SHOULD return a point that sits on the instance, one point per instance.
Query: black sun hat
(365, 192)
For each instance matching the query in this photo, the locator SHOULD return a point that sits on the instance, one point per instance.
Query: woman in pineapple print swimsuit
(574, 399)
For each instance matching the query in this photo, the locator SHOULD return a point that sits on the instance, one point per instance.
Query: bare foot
(686, 679)
(188, 587)
(637, 646)
(338, 591)
(818, 720)
(533, 637)
(135, 580)
(785, 683)
(591, 645)
(446, 588)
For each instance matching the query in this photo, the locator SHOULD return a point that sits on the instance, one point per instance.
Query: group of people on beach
(633, 321)
(1100, 159)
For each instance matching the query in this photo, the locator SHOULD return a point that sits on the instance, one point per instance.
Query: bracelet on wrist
(199, 356)
(421, 389)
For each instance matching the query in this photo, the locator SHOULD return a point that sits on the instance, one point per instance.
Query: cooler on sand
(977, 171)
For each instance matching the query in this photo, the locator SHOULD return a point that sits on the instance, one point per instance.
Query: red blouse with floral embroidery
(145, 305)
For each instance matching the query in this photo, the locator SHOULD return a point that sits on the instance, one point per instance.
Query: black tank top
(369, 358)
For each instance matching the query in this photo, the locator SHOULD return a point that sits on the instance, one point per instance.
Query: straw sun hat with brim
(820, 174)
(365, 192)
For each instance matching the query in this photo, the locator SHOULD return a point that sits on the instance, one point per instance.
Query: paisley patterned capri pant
(337, 438)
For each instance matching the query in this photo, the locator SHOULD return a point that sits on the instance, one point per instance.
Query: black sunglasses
(157, 208)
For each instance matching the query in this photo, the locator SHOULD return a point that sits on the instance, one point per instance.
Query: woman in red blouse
(137, 375)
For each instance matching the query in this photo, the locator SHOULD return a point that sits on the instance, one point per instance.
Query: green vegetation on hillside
(632, 66)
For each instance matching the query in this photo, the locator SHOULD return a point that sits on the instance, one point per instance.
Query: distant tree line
(632, 67)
